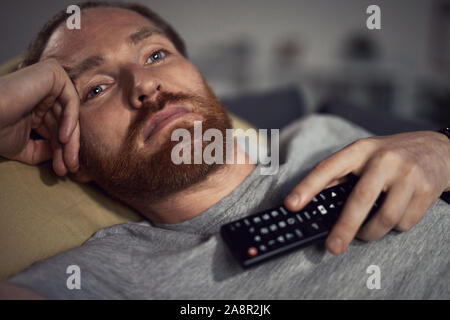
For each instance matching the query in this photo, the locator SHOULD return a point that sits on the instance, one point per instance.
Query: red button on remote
(252, 252)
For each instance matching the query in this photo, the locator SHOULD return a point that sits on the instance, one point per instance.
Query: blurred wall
(320, 23)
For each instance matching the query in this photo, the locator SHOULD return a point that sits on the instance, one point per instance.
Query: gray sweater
(190, 261)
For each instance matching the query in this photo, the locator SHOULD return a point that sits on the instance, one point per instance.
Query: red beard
(133, 175)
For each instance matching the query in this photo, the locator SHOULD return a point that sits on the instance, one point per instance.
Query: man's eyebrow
(84, 66)
(141, 34)
(96, 60)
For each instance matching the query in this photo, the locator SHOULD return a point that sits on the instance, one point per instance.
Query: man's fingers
(70, 112)
(63, 92)
(38, 114)
(325, 173)
(43, 132)
(350, 159)
(58, 162)
(336, 182)
(35, 152)
(414, 212)
(71, 149)
(389, 214)
(356, 209)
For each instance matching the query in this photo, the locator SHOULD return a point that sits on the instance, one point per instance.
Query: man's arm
(10, 291)
(43, 98)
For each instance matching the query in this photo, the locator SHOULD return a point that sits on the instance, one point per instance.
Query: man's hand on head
(412, 168)
(40, 97)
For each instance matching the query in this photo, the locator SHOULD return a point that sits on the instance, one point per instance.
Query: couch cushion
(377, 122)
(272, 109)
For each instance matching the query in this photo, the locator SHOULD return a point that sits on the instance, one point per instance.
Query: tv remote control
(265, 235)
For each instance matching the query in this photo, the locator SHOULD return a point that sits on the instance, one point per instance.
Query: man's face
(125, 71)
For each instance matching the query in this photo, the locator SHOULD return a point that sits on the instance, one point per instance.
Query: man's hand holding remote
(412, 168)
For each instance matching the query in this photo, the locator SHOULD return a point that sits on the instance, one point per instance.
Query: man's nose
(145, 86)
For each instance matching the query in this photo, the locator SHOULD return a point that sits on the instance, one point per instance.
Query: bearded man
(106, 99)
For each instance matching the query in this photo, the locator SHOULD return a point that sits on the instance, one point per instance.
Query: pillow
(274, 108)
(43, 214)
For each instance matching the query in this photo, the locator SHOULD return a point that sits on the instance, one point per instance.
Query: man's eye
(95, 91)
(156, 56)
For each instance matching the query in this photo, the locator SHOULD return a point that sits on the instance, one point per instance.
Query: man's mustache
(150, 107)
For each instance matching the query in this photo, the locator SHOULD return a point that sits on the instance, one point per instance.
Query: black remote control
(271, 233)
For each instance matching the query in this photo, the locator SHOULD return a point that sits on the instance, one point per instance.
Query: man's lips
(162, 118)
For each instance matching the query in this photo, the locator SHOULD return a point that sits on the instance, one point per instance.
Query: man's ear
(81, 176)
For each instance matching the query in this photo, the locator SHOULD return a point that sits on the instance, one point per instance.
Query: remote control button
(283, 211)
(257, 238)
(262, 248)
(333, 194)
(237, 224)
(315, 199)
(274, 213)
(273, 227)
(252, 252)
(298, 233)
(332, 206)
(316, 227)
(306, 214)
(271, 243)
(264, 231)
(256, 219)
(289, 236)
(280, 239)
(251, 230)
(322, 196)
(282, 224)
(322, 209)
(247, 223)
(299, 218)
(291, 221)
(266, 216)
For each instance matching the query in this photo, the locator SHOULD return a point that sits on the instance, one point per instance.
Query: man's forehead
(99, 27)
